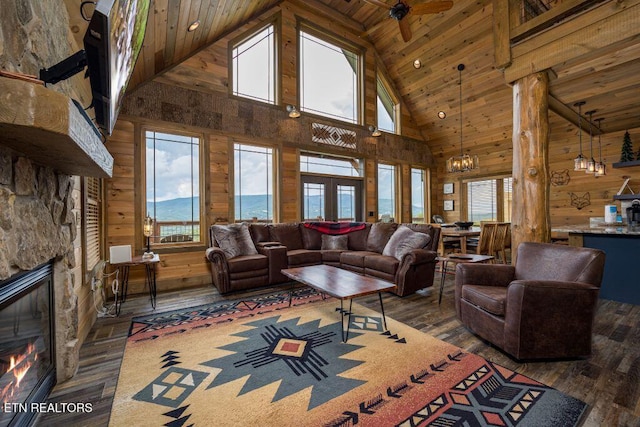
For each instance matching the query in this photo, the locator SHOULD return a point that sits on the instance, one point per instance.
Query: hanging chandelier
(580, 162)
(463, 162)
(601, 168)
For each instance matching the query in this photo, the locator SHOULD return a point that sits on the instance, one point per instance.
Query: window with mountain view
(329, 79)
(386, 191)
(173, 186)
(489, 200)
(418, 194)
(253, 66)
(253, 183)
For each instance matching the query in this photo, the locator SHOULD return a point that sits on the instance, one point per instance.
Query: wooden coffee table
(341, 284)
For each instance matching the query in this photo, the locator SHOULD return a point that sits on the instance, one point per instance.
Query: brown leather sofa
(285, 245)
(541, 308)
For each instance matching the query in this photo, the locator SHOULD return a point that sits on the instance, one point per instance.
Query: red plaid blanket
(335, 227)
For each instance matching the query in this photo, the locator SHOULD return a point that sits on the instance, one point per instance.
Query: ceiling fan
(401, 9)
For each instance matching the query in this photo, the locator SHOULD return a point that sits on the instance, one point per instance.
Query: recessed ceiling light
(417, 64)
(442, 114)
(194, 25)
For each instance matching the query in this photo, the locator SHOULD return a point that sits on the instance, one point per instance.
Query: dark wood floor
(609, 381)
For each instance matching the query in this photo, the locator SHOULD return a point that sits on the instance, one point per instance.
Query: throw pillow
(403, 241)
(334, 242)
(234, 239)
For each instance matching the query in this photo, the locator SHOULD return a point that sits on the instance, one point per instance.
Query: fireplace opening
(27, 359)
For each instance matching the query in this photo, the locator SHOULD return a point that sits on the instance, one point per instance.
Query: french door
(331, 199)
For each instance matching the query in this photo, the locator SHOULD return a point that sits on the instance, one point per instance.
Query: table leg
(463, 244)
(443, 276)
(384, 318)
(120, 294)
(345, 334)
(151, 281)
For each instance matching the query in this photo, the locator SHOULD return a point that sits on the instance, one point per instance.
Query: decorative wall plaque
(331, 135)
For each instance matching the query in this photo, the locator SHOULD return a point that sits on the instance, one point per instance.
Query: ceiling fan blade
(378, 3)
(374, 27)
(405, 30)
(433, 7)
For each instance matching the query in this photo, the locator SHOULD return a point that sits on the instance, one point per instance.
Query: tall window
(489, 200)
(482, 201)
(253, 66)
(329, 79)
(253, 183)
(173, 186)
(386, 191)
(386, 107)
(418, 195)
(92, 218)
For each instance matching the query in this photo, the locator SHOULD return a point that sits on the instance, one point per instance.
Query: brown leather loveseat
(382, 250)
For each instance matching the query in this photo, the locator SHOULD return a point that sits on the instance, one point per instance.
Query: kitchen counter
(621, 245)
(599, 229)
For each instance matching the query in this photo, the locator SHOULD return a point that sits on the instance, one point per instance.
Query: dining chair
(484, 244)
(499, 242)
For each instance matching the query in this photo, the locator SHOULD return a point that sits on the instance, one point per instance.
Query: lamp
(293, 111)
(579, 163)
(601, 168)
(147, 230)
(463, 162)
(374, 131)
(194, 26)
(591, 164)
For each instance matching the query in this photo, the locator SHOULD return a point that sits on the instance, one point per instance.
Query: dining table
(461, 235)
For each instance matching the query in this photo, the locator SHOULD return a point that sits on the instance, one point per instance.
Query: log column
(530, 217)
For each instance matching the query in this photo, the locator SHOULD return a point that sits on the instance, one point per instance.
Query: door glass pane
(346, 201)
(313, 200)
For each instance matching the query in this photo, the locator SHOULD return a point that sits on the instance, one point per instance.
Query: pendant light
(591, 164)
(463, 162)
(579, 163)
(601, 168)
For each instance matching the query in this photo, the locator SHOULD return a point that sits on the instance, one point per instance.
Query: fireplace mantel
(48, 128)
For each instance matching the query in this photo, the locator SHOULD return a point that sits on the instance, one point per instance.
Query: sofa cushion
(334, 242)
(311, 239)
(249, 265)
(358, 239)
(234, 239)
(403, 241)
(300, 257)
(379, 236)
(426, 229)
(288, 234)
(259, 232)
(387, 264)
(489, 298)
(355, 258)
(331, 256)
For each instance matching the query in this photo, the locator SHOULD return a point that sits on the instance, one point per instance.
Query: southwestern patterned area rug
(260, 362)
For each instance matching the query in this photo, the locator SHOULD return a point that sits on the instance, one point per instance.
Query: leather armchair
(541, 308)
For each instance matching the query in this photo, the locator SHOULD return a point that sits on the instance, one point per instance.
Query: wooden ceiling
(605, 77)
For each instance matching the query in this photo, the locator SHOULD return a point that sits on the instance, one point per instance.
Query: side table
(150, 278)
(458, 258)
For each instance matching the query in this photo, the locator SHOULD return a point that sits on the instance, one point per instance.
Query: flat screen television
(112, 44)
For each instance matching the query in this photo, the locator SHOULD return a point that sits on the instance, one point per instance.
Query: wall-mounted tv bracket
(65, 68)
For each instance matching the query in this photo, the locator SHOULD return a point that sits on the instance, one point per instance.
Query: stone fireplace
(38, 226)
(27, 360)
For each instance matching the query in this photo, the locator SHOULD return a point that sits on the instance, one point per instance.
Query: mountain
(252, 206)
